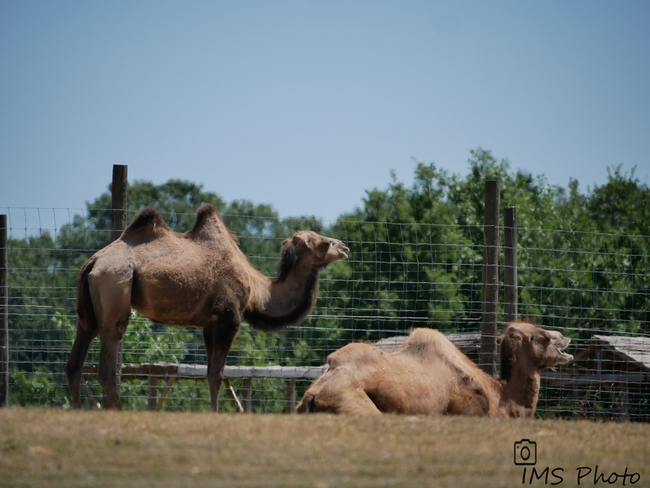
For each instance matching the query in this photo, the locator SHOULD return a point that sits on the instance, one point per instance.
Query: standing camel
(428, 375)
(199, 278)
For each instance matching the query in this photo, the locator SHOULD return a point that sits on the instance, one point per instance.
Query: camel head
(527, 345)
(318, 250)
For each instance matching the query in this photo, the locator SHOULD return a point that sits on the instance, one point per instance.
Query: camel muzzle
(344, 252)
(564, 357)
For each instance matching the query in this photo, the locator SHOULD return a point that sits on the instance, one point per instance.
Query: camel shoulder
(146, 226)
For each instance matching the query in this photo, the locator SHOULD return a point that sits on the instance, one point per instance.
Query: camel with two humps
(428, 375)
(199, 278)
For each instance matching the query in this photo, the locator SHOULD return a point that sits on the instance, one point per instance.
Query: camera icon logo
(525, 452)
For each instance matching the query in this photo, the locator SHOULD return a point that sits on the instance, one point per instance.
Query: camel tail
(85, 309)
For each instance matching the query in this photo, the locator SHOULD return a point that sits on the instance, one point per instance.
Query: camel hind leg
(76, 360)
(107, 371)
(111, 297)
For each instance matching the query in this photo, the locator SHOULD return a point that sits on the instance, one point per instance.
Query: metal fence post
(119, 200)
(4, 315)
(510, 264)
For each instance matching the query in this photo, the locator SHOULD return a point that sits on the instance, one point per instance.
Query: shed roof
(629, 348)
(462, 340)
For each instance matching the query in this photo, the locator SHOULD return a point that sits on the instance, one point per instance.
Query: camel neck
(520, 392)
(279, 303)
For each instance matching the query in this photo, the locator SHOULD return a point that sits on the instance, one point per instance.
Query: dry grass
(66, 448)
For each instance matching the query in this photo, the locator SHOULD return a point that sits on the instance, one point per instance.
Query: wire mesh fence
(591, 287)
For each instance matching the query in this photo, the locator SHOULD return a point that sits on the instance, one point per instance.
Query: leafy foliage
(416, 260)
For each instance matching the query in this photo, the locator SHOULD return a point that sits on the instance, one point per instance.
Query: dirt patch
(96, 448)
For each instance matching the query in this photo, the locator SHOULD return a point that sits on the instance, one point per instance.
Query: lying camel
(428, 375)
(199, 278)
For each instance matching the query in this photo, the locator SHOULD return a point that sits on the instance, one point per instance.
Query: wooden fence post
(490, 289)
(118, 224)
(118, 207)
(510, 264)
(291, 395)
(4, 315)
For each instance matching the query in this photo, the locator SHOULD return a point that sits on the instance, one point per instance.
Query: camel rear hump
(428, 343)
(209, 224)
(432, 345)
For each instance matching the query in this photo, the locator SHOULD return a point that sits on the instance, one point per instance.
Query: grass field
(40, 447)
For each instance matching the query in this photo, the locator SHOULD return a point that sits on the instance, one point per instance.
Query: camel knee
(72, 373)
(215, 376)
(337, 391)
(338, 402)
(107, 380)
(307, 404)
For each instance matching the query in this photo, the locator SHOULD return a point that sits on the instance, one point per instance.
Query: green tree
(415, 260)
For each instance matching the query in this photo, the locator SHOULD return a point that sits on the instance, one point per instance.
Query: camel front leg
(337, 391)
(218, 340)
(75, 362)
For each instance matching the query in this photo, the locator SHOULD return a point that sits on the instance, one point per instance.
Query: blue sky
(305, 105)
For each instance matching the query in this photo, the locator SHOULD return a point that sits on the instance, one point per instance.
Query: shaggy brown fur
(199, 278)
(428, 375)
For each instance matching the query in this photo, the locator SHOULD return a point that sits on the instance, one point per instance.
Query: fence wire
(591, 287)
